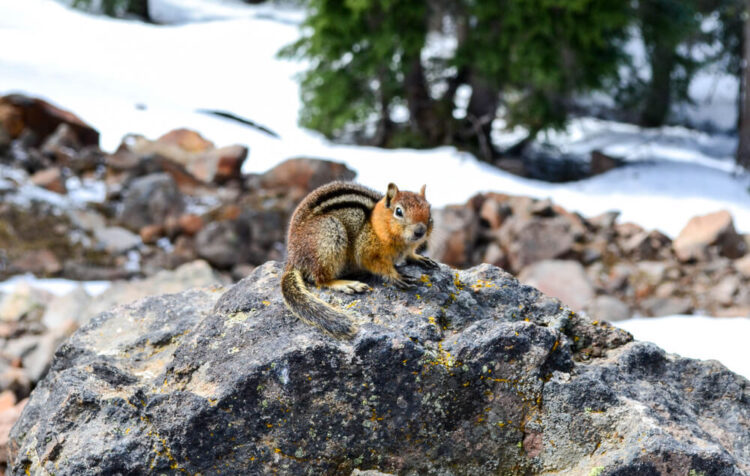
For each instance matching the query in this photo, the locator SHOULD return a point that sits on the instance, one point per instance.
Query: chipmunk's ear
(390, 194)
(421, 191)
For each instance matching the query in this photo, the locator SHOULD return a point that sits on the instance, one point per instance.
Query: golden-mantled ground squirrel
(341, 228)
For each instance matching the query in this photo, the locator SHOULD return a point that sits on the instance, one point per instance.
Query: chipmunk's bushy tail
(312, 310)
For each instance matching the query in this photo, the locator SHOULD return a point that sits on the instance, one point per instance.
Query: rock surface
(706, 230)
(471, 373)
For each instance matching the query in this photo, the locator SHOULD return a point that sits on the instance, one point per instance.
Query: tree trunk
(659, 94)
(743, 145)
(139, 8)
(480, 113)
(423, 117)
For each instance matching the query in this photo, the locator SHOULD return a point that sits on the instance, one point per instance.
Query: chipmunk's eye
(399, 212)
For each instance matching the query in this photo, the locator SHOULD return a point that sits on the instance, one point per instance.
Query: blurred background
(597, 150)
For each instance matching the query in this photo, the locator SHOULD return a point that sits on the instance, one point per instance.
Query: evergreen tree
(368, 57)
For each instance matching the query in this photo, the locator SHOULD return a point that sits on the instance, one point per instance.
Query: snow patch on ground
(56, 286)
(697, 337)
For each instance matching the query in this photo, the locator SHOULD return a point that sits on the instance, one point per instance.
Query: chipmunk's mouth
(419, 234)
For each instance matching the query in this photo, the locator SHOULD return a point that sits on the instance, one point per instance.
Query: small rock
(743, 265)
(117, 240)
(455, 233)
(220, 165)
(537, 239)
(11, 120)
(7, 400)
(543, 208)
(190, 224)
(44, 118)
(495, 255)
(51, 179)
(491, 212)
(39, 262)
(25, 302)
(668, 289)
(224, 243)
(606, 220)
(87, 219)
(150, 200)
(187, 140)
(62, 145)
(609, 308)
(14, 379)
(150, 234)
(657, 307)
(647, 245)
(8, 418)
(565, 280)
(69, 307)
(725, 290)
(304, 175)
(714, 229)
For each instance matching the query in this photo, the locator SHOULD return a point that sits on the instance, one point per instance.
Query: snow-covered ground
(128, 77)
(697, 337)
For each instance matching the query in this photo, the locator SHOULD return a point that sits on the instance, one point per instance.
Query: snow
(128, 77)
(56, 286)
(698, 337)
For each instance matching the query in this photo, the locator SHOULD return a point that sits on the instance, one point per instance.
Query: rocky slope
(470, 373)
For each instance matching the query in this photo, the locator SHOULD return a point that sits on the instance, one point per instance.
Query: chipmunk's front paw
(425, 262)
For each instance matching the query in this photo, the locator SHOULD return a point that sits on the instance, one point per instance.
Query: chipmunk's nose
(420, 231)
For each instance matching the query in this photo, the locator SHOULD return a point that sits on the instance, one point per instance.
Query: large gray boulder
(471, 373)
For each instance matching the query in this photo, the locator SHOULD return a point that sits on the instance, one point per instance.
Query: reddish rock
(7, 400)
(454, 237)
(43, 118)
(51, 179)
(493, 212)
(565, 280)
(701, 232)
(40, 262)
(190, 224)
(188, 157)
(537, 239)
(305, 174)
(187, 140)
(647, 245)
(8, 418)
(219, 165)
(151, 233)
(11, 120)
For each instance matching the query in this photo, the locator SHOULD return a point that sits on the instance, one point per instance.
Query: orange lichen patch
(556, 345)
(457, 282)
(481, 283)
(266, 303)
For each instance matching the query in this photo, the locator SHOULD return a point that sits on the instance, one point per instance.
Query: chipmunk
(342, 227)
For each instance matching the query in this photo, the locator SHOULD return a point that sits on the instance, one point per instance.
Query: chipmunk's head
(410, 214)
